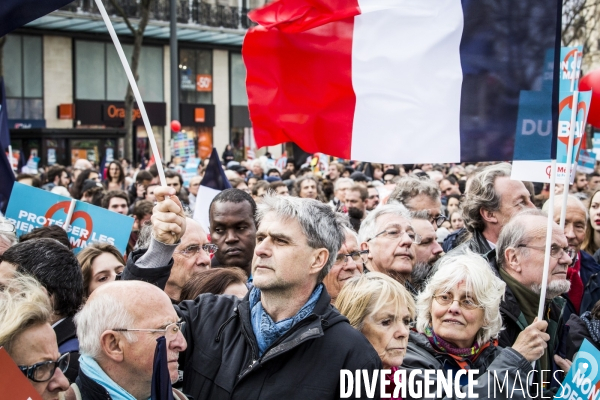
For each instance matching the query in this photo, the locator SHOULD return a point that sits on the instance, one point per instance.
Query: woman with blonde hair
(28, 338)
(382, 309)
(458, 322)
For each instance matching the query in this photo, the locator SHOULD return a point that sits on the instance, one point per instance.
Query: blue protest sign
(583, 379)
(31, 208)
(586, 162)
(569, 72)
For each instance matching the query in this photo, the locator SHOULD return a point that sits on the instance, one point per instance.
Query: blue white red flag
(16, 13)
(398, 81)
(213, 183)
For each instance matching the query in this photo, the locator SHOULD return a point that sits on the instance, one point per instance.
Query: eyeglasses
(191, 251)
(438, 221)
(170, 331)
(44, 371)
(355, 255)
(445, 299)
(395, 233)
(7, 227)
(555, 251)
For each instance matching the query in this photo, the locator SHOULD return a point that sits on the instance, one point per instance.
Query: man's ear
(512, 260)
(320, 257)
(488, 216)
(112, 345)
(365, 246)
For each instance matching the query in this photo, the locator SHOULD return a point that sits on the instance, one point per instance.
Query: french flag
(213, 183)
(397, 81)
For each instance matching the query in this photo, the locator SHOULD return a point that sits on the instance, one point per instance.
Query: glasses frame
(29, 370)
(10, 228)
(572, 254)
(345, 262)
(460, 302)
(180, 324)
(416, 240)
(208, 248)
(439, 220)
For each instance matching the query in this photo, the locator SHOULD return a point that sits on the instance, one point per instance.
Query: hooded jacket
(222, 362)
(493, 364)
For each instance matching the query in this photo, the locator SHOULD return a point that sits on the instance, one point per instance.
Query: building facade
(65, 85)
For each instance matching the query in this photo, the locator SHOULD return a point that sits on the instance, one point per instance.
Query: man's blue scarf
(266, 331)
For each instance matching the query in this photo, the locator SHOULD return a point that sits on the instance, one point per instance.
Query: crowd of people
(305, 270)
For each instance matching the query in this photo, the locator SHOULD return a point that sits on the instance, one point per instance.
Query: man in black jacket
(284, 339)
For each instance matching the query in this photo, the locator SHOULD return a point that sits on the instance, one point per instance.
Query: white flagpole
(136, 92)
(69, 215)
(570, 155)
(549, 227)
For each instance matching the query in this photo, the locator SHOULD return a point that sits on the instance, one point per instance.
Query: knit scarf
(460, 355)
(92, 370)
(593, 325)
(266, 331)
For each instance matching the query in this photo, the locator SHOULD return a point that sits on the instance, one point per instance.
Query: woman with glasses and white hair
(458, 322)
(28, 338)
(382, 309)
(348, 263)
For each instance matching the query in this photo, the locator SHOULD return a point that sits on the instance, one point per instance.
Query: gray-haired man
(284, 339)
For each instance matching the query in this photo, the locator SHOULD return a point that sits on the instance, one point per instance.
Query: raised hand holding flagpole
(136, 92)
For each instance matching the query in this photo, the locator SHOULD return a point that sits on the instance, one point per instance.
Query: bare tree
(579, 23)
(138, 37)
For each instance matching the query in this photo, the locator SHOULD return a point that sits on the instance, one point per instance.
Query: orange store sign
(203, 83)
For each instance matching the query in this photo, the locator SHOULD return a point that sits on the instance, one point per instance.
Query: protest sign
(31, 208)
(190, 170)
(183, 146)
(586, 162)
(13, 384)
(583, 379)
(534, 124)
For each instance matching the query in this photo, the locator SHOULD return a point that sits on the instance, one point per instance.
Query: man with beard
(233, 229)
(584, 272)
(355, 202)
(373, 198)
(520, 257)
(428, 251)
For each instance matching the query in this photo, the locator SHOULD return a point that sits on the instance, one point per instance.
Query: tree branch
(123, 15)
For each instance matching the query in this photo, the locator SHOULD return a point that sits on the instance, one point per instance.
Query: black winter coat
(222, 362)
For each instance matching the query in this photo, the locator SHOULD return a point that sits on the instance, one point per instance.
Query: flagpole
(549, 226)
(567, 182)
(136, 92)
(69, 215)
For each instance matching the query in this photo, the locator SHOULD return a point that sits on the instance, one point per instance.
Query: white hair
(570, 200)
(339, 181)
(480, 282)
(9, 237)
(101, 313)
(367, 227)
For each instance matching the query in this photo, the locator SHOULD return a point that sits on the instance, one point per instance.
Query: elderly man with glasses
(191, 255)
(118, 330)
(348, 263)
(388, 235)
(520, 256)
(420, 194)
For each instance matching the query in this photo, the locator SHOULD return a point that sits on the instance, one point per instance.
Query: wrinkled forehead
(387, 221)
